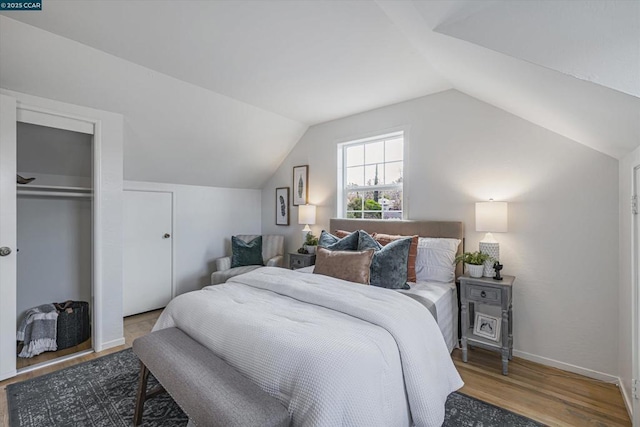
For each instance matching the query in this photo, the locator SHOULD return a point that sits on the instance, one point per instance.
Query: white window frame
(342, 170)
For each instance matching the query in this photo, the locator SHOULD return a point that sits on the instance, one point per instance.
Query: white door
(7, 236)
(147, 221)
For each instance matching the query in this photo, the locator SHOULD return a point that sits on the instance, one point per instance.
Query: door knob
(4, 251)
(166, 236)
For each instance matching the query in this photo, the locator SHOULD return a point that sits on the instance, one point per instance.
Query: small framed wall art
(282, 206)
(300, 185)
(487, 326)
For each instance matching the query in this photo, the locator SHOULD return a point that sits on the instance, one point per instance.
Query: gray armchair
(272, 256)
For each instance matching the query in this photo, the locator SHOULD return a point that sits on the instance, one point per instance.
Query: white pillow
(434, 262)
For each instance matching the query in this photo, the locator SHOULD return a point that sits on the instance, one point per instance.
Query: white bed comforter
(334, 352)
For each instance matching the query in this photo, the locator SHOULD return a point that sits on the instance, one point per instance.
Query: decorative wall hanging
(300, 185)
(282, 206)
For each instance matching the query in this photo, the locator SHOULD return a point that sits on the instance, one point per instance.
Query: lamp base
(493, 250)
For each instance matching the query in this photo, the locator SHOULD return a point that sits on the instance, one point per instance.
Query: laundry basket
(74, 324)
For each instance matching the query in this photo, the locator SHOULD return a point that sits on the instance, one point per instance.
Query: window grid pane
(373, 164)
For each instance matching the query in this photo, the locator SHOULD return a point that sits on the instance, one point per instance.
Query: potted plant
(474, 262)
(310, 243)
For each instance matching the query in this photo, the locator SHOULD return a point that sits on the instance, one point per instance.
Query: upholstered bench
(209, 391)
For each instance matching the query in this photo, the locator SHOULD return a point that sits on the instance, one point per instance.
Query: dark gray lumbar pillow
(333, 243)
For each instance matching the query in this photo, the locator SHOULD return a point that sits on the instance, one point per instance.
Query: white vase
(475, 270)
(310, 249)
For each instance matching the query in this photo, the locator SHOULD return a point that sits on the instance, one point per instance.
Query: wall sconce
(491, 217)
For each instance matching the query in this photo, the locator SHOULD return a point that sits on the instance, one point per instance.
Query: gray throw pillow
(389, 264)
(333, 243)
(246, 253)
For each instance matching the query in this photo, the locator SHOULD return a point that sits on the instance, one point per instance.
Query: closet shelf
(53, 191)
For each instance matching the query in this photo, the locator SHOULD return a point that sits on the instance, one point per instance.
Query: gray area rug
(102, 392)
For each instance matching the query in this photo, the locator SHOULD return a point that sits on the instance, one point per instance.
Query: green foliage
(474, 258)
(311, 239)
(372, 205)
(369, 205)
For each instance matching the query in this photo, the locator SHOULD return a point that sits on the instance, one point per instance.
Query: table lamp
(491, 217)
(306, 216)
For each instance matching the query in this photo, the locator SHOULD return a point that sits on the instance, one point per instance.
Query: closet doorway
(54, 239)
(106, 129)
(47, 232)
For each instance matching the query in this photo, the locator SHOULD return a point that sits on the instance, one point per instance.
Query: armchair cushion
(246, 253)
(276, 261)
(223, 263)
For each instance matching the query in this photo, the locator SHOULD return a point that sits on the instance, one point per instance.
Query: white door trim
(8, 236)
(635, 298)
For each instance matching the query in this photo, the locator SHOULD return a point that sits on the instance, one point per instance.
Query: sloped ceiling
(595, 115)
(213, 88)
(311, 61)
(596, 41)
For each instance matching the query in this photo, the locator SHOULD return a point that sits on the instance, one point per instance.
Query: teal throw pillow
(390, 263)
(333, 243)
(246, 253)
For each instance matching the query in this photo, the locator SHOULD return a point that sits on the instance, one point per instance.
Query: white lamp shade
(491, 217)
(306, 214)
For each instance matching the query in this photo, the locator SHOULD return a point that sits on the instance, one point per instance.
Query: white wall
(625, 329)
(563, 212)
(204, 219)
(54, 262)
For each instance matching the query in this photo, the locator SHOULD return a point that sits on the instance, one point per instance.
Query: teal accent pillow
(390, 263)
(333, 243)
(365, 241)
(246, 253)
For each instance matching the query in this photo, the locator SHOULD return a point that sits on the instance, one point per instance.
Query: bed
(334, 353)
(442, 297)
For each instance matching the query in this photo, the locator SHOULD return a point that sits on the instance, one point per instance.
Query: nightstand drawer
(484, 294)
(301, 260)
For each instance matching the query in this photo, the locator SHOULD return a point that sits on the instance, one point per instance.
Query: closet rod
(54, 194)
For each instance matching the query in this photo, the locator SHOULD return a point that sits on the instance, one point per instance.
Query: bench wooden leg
(141, 396)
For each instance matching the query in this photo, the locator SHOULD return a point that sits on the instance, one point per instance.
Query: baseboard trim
(568, 367)
(112, 343)
(626, 398)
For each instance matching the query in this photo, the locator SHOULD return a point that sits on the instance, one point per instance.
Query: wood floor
(22, 362)
(547, 395)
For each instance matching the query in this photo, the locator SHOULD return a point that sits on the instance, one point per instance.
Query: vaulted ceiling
(570, 66)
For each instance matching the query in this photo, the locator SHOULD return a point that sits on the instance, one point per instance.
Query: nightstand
(492, 300)
(301, 260)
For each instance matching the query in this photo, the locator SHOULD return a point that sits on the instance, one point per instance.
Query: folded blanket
(38, 330)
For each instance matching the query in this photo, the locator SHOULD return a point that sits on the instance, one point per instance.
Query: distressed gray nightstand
(301, 260)
(476, 293)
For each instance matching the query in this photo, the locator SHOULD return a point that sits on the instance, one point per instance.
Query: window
(370, 181)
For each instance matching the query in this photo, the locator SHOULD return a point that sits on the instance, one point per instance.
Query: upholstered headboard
(442, 229)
